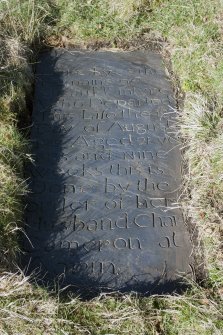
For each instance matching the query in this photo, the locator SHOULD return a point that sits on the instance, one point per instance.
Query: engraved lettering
(102, 210)
(142, 220)
(169, 242)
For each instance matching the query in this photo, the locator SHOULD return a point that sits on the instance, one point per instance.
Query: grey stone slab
(103, 213)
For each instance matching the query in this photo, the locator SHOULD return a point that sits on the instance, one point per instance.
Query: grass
(189, 35)
(85, 21)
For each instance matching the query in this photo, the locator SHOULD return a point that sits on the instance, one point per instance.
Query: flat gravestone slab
(102, 213)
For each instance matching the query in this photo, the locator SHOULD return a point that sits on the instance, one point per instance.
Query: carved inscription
(103, 208)
(85, 268)
(118, 243)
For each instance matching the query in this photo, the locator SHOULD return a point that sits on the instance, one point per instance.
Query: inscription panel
(103, 209)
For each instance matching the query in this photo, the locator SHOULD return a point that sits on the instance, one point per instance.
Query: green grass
(189, 35)
(92, 20)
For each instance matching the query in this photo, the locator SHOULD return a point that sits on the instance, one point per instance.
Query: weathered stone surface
(103, 213)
